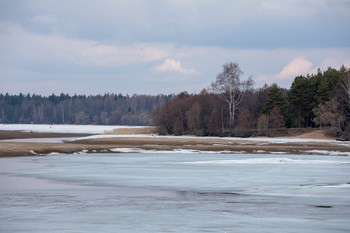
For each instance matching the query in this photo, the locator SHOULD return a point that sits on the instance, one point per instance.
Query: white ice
(175, 151)
(45, 128)
(42, 140)
(268, 161)
(99, 130)
(326, 152)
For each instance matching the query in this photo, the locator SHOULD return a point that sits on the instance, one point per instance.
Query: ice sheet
(326, 152)
(42, 140)
(45, 128)
(280, 160)
(164, 192)
(175, 151)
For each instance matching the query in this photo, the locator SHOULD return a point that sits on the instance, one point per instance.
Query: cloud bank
(168, 46)
(57, 48)
(297, 66)
(171, 65)
(47, 19)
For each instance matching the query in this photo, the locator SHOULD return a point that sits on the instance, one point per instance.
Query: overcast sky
(165, 46)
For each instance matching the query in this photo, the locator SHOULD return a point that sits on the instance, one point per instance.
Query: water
(175, 193)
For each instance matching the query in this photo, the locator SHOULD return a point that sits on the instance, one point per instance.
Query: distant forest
(232, 107)
(107, 109)
(229, 107)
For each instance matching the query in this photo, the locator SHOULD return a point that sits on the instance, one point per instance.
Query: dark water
(175, 193)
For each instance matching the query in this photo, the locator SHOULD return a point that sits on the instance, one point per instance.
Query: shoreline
(14, 134)
(118, 144)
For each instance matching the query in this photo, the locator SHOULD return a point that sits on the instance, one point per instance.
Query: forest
(107, 109)
(232, 107)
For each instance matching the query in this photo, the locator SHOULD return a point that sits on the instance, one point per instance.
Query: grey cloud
(234, 24)
(113, 45)
(48, 19)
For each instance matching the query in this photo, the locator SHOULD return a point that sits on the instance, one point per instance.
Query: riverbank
(311, 143)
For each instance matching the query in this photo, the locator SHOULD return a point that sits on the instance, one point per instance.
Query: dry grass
(141, 130)
(209, 144)
(104, 145)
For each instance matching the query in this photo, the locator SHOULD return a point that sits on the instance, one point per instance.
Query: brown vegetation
(9, 149)
(134, 130)
(235, 109)
(5, 135)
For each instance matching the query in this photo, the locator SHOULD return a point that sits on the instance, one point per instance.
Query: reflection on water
(174, 193)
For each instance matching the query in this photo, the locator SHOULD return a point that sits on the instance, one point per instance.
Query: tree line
(107, 109)
(231, 106)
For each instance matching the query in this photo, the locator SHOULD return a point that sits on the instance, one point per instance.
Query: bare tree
(345, 85)
(276, 119)
(230, 88)
(330, 114)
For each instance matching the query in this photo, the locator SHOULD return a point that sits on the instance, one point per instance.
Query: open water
(160, 192)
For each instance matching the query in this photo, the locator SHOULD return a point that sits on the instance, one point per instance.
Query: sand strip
(105, 145)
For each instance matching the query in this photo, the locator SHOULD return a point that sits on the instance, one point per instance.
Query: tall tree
(245, 119)
(54, 109)
(276, 120)
(300, 98)
(274, 98)
(330, 114)
(231, 88)
(328, 81)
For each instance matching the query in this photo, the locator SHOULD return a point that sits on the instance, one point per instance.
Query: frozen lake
(175, 192)
(45, 128)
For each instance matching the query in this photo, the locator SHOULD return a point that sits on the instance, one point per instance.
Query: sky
(165, 46)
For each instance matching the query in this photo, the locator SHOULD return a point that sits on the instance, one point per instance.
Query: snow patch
(260, 151)
(175, 151)
(267, 161)
(45, 128)
(54, 153)
(347, 185)
(80, 152)
(326, 152)
(33, 152)
(40, 140)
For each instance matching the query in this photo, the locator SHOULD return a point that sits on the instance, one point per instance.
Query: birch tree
(231, 88)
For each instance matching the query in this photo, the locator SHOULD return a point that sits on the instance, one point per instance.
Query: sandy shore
(5, 135)
(104, 145)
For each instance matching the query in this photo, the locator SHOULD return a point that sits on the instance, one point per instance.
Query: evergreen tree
(300, 99)
(274, 98)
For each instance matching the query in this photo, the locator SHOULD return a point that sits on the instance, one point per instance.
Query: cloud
(56, 48)
(334, 62)
(41, 57)
(296, 67)
(47, 19)
(171, 65)
(289, 8)
(107, 55)
(277, 23)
